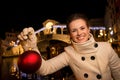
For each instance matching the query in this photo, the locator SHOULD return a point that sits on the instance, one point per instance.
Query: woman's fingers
(27, 33)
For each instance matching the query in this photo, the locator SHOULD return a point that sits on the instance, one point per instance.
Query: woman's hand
(28, 39)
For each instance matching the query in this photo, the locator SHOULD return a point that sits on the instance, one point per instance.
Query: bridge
(55, 32)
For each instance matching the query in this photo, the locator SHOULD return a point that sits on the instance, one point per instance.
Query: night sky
(18, 15)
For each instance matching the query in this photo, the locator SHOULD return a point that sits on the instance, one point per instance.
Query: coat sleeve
(114, 64)
(54, 64)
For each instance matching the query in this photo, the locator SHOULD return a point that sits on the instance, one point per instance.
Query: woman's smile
(79, 31)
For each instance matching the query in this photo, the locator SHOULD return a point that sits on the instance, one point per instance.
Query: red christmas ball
(29, 62)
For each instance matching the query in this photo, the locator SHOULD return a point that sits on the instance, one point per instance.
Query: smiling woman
(83, 51)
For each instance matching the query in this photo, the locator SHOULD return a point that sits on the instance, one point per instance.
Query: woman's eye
(73, 30)
(82, 28)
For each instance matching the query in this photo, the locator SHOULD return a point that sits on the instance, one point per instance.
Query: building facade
(112, 22)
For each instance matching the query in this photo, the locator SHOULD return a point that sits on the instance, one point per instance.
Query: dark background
(20, 14)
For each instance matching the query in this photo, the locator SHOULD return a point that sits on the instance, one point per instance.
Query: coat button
(86, 75)
(83, 58)
(95, 45)
(92, 57)
(99, 76)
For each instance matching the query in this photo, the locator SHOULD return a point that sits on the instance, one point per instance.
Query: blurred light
(98, 28)
(110, 40)
(110, 28)
(111, 32)
(59, 26)
(49, 25)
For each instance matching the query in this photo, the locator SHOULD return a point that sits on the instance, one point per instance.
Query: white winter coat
(90, 60)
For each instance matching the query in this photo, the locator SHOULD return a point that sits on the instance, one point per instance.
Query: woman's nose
(78, 32)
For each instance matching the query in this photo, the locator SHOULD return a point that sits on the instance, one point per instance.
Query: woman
(88, 59)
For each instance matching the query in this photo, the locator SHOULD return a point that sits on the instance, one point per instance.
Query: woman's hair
(76, 16)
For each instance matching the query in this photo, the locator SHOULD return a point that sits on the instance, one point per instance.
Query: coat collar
(89, 46)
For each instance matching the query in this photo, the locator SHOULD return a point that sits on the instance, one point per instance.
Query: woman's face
(79, 31)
